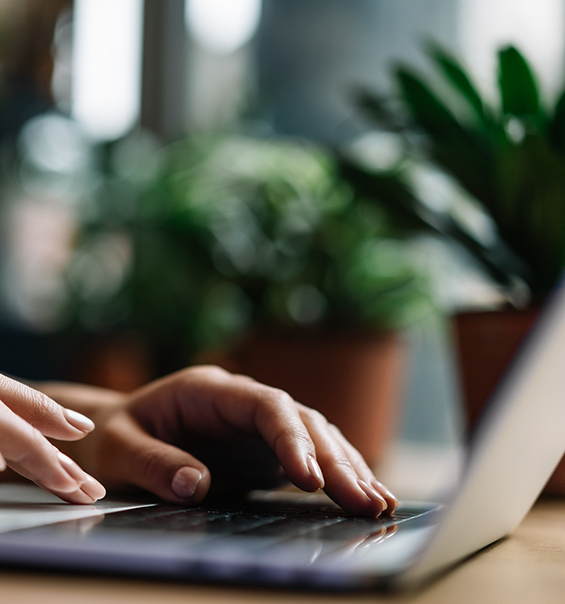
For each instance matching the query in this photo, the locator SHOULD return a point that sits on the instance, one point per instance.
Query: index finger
(303, 441)
(275, 416)
(43, 413)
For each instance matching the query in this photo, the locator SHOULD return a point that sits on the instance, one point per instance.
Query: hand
(26, 418)
(203, 428)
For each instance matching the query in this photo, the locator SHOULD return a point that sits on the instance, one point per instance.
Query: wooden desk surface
(528, 567)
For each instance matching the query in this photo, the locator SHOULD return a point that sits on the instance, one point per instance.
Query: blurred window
(536, 28)
(107, 66)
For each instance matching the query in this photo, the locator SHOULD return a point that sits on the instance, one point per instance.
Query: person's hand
(26, 418)
(204, 427)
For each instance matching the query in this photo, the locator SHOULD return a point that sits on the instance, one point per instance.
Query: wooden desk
(528, 567)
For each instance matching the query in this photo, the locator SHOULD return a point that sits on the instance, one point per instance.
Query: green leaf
(458, 150)
(459, 79)
(531, 213)
(388, 190)
(427, 110)
(518, 89)
(556, 126)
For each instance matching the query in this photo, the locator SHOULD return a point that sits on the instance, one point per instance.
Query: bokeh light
(223, 26)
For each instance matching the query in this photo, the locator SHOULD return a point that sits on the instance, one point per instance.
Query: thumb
(134, 457)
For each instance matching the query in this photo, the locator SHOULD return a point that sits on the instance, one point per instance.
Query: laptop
(285, 539)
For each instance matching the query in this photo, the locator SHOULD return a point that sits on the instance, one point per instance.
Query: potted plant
(508, 161)
(254, 254)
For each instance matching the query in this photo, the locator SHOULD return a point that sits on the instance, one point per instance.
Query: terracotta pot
(120, 362)
(354, 380)
(486, 342)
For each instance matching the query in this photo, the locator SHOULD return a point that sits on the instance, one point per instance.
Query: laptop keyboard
(257, 520)
(240, 541)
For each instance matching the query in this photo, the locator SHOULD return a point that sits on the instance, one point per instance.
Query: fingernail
(78, 420)
(371, 493)
(315, 470)
(393, 500)
(93, 488)
(3, 464)
(185, 482)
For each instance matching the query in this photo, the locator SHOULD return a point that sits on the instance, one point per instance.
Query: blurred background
(112, 112)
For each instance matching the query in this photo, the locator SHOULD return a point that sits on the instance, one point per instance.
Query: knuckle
(276, 397)
(243, 377)
(335, 431)
(200, 373)
(293, 439)
(343, 464)
(276, 405)
(211, 371)
(40, 408)
(315, 417)
(268, 398)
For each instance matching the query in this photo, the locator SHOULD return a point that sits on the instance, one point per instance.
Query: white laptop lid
(518, 442)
